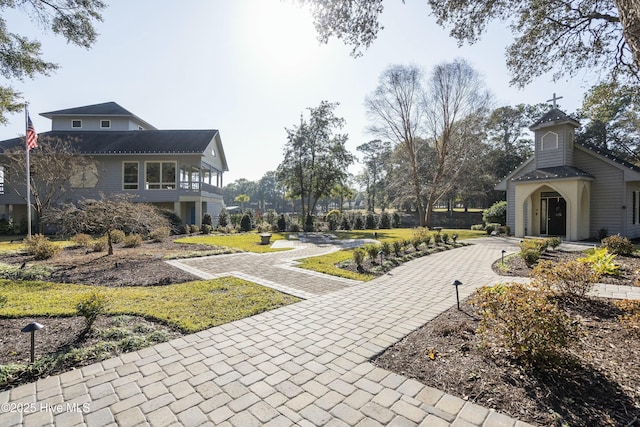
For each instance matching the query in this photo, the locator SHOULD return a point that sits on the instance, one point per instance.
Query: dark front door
(557, 216)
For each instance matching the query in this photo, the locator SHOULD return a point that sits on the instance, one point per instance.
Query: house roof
(609, 155)
(129, 142)
(556, 172)
(554, 117)
(104, 109)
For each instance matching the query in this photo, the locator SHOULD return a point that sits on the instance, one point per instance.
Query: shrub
(206, 229)
(81, 240)
(496, 213)
(245, 223)
(294, 227)
(358, 257)
(530, 256)
(618, 245)
(99, 245)
(571, 279)
(554, 242)
(385, 248)
(372, 250)
(160, 234)
(416, 242)
(531, 249)
(132, 241)
(631, 317)
(3, 300)
(421, 235)
(371, 222)
(308, 223)
(445, 238)
(117, 236)
(263, 227)
(477, 227)
(358, 223)
(206, 219)
(525, 322)
(194, 229)
(333, 218)
(282, 223)
(437, 238)
(270, 216)
(40, 247)
(223, 218)
(185, 229)
(397, 247)
(601, 261)
(385, 220)
(395, 220)
(90, 307)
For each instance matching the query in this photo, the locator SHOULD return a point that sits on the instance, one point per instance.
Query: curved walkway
(305, 364)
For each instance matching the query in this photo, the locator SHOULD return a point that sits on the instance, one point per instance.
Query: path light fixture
(503, 252)
(33, 327)
(454, 237)
(457, 283)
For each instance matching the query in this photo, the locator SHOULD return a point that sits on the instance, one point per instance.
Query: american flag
(32, 136)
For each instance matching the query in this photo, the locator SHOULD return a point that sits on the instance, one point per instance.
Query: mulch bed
(598, 384)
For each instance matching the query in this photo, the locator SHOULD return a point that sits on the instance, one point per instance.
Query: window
(130, 175)
(105, 124)
(549, 141)
(160, 175)
(76, 123)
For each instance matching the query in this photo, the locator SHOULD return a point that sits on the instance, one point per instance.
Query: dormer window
(105, 124)
(549, 141)
(76, 124)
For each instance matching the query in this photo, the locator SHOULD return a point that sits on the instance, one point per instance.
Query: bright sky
(249, 68)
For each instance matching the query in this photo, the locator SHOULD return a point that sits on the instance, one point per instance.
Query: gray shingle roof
(553, 116)
(129, 142)
(556, 172)
(609, 155)
(106, 108)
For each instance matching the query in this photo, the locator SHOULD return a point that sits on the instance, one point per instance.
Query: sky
(250, 68)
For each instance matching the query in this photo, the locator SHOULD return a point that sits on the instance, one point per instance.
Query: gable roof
(554, 117)
(104, 109)
(609, 155)
(556, 172)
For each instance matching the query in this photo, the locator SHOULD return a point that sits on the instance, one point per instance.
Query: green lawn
(249, 242)
(327, 263)
(189, 307)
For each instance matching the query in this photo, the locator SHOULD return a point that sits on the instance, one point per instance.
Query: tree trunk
(629, 12)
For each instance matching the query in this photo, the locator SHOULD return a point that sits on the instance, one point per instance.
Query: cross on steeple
(554, 99)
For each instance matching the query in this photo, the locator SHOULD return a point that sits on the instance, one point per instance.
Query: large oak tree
(559, 36)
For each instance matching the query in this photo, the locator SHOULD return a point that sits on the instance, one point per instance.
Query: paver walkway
(305, 364)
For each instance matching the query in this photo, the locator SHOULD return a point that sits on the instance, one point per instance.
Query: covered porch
(553, 208)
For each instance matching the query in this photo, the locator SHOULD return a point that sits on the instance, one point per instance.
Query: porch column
(198, 204)
(521, 198)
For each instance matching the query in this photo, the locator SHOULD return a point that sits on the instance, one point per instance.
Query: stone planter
(265, 238)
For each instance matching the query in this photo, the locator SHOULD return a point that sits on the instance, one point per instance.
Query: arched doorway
(553, 214)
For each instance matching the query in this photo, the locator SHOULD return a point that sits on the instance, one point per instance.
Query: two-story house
(570, 189)
(178, 170)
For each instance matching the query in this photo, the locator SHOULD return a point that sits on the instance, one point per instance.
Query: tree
(55, 168)
(237, 187)
(456, 101)
(21, 57)
(375, 156)
(613, 114)
(563, 36)
(396, 111)
(508, 138)
(242, 199)
(103, 216)
(315, 158)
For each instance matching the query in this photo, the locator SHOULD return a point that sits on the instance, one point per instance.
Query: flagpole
(26, 146)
